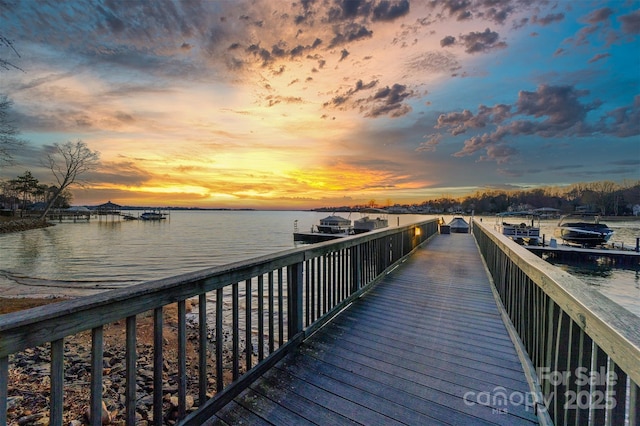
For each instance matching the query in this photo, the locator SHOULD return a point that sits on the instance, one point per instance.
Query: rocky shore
(29, 376)
(17, 225)
(29, 370)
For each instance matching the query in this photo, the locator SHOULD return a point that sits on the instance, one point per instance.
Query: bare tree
(9, 139)
(68, 163)
(8, 44)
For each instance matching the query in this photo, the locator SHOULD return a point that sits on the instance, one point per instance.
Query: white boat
(366, 224)
(458, 225)
(329, 228)
(153, 215)
(525, 229)
(582, 229)
(335, 225)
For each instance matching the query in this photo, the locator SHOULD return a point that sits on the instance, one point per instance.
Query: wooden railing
(250, 314)
(585, 349)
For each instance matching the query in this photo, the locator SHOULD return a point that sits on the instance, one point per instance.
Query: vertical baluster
(260, 317)
(535, 332)
(514, 287)
(365, 261)
(318, 262)
(616, 401)
(294, 297)
(202, 348)
(341, 268)
(353, 269)
(182, 358)
(549, 363)
(371, 261)
(329, 293)
(280, 309)
(247, 316)
(307, 292)
(526, 310)
(599, 364)
(634, 404)
(585, 347)
(235, 332)
(4, 388)
(312, 289)
(543, 331)
(157, 365)
(270, 297)
(336, 278)
(325, 280)
(219, 340)
(57, 381)
(573, 363)
(562, 352)
(130, 363)
(345, 269)
(97, 350)
(347, 272)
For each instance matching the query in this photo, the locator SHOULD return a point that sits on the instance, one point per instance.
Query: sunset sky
(301, 104)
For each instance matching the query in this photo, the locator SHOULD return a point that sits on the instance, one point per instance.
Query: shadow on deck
(427, 345)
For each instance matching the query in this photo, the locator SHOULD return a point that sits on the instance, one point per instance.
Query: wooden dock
(316, 237)
(427, 345)
(588, 255)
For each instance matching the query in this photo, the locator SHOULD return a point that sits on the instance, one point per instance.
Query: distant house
(636, 209)
(587, 209)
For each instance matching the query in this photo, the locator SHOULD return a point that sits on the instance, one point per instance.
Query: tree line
(606, 198)
(603, 197)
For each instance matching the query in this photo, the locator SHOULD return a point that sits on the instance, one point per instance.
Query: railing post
(157, 365)
(294, 295)
(97, 349)
(57, 381)
(131, 356)
(4, 391)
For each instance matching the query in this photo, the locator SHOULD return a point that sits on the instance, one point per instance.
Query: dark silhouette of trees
(9, 139)
(24, 185)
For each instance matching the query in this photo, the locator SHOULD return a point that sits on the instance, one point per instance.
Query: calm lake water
(83, 258)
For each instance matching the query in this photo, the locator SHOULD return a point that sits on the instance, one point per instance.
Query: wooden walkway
(426, 346)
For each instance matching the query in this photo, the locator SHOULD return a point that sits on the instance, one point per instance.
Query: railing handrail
(612, 327)
(17, 328)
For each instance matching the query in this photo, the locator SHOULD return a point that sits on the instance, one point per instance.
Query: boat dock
(574, 254)
(419, 348)
(316, 237)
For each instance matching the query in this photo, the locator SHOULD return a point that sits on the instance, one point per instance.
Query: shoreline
(18, 225)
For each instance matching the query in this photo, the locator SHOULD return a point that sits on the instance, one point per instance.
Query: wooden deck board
(417, 349)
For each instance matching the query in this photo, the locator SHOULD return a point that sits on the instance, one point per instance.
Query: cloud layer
(256, 102)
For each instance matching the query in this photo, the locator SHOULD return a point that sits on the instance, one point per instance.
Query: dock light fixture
(417, 231)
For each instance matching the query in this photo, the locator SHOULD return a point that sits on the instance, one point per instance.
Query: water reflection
(620, 284)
